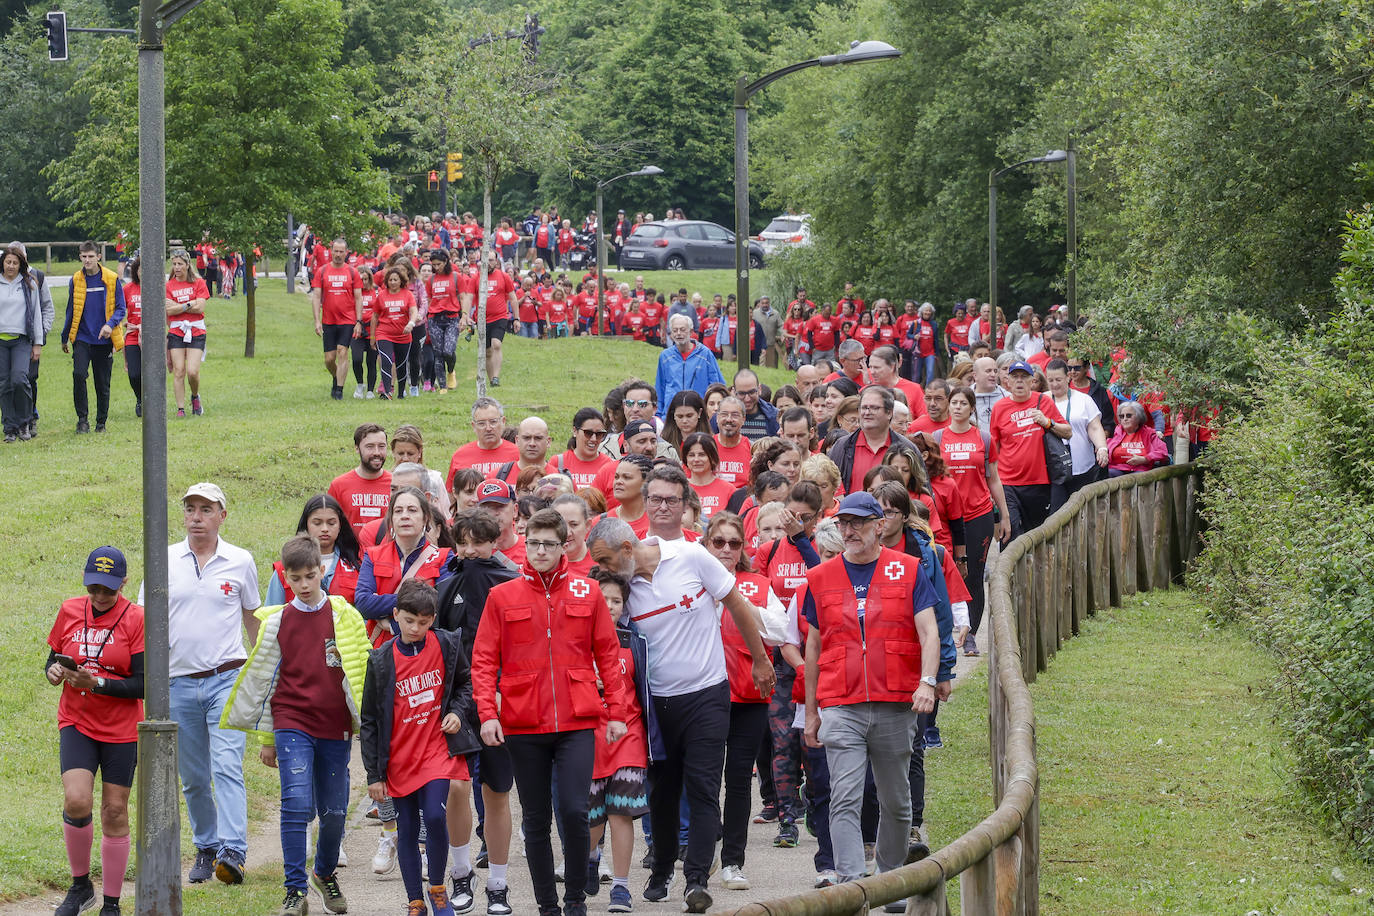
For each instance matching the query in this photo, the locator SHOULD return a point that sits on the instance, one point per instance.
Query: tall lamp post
(1071, 216)
(1054, 155)
(859, 52)
(601, 243)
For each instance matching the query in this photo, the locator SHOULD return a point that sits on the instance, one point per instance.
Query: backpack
(933, 565)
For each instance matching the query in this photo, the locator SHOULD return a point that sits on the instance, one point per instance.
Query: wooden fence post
(1115, 591)
(1048, 618)
(1025, 611)
(1145, 536)
(1128, 508)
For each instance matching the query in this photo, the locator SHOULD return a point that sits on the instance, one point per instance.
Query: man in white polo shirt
(212, 592)
(675, 587)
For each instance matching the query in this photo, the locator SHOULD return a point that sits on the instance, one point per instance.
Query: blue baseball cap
(860, 505)
(106, 567)
(1021, 366)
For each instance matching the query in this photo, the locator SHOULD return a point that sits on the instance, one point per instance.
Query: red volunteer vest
(739, 664)
(880, 663)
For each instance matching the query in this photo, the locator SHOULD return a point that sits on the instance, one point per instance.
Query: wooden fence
(1112, 539)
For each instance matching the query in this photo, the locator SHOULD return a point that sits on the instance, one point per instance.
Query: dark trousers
(133, 364)
(536, 759)
(1060, 493)
(818, 804)
(693, 727)
(33, 389)
(16, 405)
(786, 745)
(916, 770)
(363, 354)
(748, 725)
(978, 540)
(96, 360)
(1028, 506)
(393, 358)
(763, 762)
(425, 805)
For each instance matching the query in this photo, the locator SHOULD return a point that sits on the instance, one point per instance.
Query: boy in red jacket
(543, 641)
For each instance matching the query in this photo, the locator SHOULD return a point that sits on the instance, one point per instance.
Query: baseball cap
(635, 427)
(206, 491)
(106, 567)
(495, 491)
(860, 505)
(1021, 366)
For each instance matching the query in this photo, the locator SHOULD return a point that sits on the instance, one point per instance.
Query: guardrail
(1112, 539)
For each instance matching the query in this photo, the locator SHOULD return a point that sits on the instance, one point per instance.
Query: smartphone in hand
(66, 661)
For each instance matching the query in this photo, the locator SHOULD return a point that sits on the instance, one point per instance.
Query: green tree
(263, 117)
(496, 104)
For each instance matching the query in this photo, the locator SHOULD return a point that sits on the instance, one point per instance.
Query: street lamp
(859, 52)
(601, 243)
(1054, 155)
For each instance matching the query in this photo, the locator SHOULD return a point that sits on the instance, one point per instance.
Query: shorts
(337, 336)
(625, 793)
(496, 330)
(113, 760)
(177, 342)
(493, 767)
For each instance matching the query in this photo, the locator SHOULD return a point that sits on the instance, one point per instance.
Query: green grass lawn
(1167, 787)
(271, 437)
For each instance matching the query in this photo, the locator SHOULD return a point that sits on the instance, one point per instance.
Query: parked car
(786, 230)
(685, 244)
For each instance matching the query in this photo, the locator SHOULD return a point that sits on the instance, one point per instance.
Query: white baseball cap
(206, 491)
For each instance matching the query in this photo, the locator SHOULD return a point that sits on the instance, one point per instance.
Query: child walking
(416, 727)
(298, 692)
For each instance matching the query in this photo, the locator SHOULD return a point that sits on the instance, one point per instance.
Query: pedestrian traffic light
(455, 166)
(433, 180)
(55, 23)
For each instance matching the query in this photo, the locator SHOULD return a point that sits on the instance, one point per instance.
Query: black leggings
(977, 541)
(417, 352)
(427, 802)
(392, 359)
(748, 724)
(133, 364)
(362, 353)
(536, 759)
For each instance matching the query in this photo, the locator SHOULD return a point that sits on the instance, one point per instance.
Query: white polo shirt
(679, 615)
(205, 606)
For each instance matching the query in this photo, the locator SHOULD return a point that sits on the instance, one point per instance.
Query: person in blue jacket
(686, 365)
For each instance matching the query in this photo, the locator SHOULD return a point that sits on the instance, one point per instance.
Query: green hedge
(1290, 551)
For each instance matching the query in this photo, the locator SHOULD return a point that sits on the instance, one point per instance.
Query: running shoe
(621, 901)
(294, 903)
(732, 878)
(328, 889)
(385, 859)
(696, 900)
(80, 898)
(438, 901)
(229, 866)
(768, 815)
(196, 409)
(203, 868)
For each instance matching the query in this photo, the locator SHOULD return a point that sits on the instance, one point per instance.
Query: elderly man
(490, 451)
(864, 448)
(212, 592)
(677, 590)
(853, 363)
(770, 320)
(808, 377)
(986, 390)
(872, 659)
(1019, 328)
(685, 366)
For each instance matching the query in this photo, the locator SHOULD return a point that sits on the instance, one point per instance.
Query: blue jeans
(314, 780)
(926, 367)
(529, 329)
(210, 762)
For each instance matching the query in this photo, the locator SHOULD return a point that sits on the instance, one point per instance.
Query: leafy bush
(1291, 545)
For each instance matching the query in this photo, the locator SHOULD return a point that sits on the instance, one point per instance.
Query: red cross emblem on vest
(894, 570)
(580, 587)
(226, 588)
(748, 589)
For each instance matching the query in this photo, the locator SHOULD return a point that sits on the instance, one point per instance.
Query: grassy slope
(272, 438)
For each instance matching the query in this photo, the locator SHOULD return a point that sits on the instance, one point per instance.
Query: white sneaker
(826, 878)
(732, 878)
(385, 859)
(343, 858)
(371, 395)
(359, 391)
(603, 871)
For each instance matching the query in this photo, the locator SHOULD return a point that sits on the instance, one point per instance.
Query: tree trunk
(251, 313)
(482, 291)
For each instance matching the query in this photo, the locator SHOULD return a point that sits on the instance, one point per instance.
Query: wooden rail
(1112, 539)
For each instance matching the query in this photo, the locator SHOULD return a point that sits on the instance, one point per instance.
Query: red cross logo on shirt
(686, 601)
(226, 588)
(748, 589)
(894, 570)
(580, 587)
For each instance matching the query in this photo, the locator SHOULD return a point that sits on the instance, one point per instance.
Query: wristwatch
(100, 683)
(929, 681)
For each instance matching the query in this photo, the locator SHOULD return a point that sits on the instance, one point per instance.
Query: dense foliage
(1291, 547)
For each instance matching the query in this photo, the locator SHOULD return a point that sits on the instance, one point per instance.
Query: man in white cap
(212, 592)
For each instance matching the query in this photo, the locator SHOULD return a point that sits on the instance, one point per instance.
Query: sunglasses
(637, 403)
(593, 433)
(721, 543)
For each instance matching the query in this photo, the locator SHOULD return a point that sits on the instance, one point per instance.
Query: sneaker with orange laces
(438, 901)
(416, 908)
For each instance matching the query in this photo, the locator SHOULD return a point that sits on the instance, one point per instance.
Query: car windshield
(788, 226)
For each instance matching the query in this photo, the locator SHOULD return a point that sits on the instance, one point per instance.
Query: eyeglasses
(892, 513)
(721, 543)
(637, 403)
(753, 393)
(865, 408)
(663, 500)
(1076, 368)
(593, 433)
(486, 424)
(542, 546)
(850, 521)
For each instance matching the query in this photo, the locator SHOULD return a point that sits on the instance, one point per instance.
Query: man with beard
(365, 491)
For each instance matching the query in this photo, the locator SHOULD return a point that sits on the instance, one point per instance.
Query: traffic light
(55, 24)
(433, 180)
(455, 166)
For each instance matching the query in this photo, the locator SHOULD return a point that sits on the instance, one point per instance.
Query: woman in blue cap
(96, 656)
